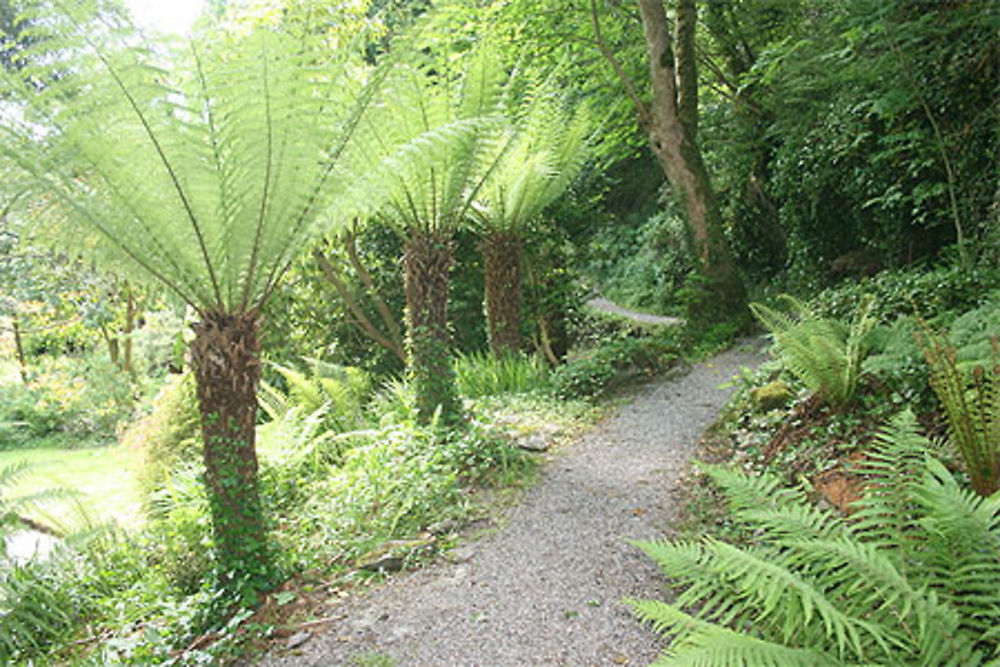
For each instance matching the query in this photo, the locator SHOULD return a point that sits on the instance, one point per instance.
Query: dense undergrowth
(847, 510)
(354, 484)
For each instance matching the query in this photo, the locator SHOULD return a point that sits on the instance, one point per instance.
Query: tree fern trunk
(427, 261)
(225, 356)
(502, 260)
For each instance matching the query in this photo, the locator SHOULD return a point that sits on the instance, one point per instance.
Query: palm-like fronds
(548, 151)
(434, 141)
(824, 354)
(208, 175)
(911, 581)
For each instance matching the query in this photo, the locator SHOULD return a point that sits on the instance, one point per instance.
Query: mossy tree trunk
(671, 124)
(427, 262)
(502, 253)
(225, 354)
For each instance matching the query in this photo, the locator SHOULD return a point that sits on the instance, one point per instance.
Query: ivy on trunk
(226, 357)
(427, 261)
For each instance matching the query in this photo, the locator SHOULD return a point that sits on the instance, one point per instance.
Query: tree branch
(351, 246)
(362, 321)
(609, 56)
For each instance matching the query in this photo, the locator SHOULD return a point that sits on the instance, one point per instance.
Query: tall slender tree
(548, 151)
(670, 121)
(205, 174)
(456, 129)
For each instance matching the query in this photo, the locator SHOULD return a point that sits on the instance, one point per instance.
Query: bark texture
(502, 252)
(427, 261)
(672, 125)
(226, 357)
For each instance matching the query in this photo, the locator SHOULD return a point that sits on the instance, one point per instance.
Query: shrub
(79, 397)
(596, 370)
(170, 434)
(911, 579)
(642, 266)
(824, 354)
(179, 531)
(913, 291)
(341, 391)
(393, 482)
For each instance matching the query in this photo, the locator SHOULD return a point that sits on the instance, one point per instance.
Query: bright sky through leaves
(165, 16)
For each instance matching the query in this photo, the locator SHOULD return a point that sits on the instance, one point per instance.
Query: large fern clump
(823, 353)
(910, 578)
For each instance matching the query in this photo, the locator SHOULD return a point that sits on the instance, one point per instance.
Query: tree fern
(548, 150)
(824, 354)
(205, 170)
(435, 141)
(814, 589)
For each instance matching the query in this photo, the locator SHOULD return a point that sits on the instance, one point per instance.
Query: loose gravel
(547, 587)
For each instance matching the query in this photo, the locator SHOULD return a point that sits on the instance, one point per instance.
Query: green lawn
(103, 476)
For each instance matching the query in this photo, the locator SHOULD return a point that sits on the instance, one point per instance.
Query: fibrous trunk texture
(427, 261)
(502, 260)
(225, 354)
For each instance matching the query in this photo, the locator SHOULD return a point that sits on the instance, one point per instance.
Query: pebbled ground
(546, 589)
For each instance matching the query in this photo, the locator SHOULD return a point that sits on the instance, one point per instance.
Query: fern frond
(754, 586)
(697, 642)
(825, 355)
(895, 463)
(972, 409)
(909, 579)
(209, 175)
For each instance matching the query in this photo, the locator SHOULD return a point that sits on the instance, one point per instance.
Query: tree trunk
(22, 361)
(130, 317)
(111, 341)
(225, 355)
(502, 260)
(672, 125)
(427, 261)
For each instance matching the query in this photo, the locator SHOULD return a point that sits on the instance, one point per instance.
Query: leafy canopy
(207, 168)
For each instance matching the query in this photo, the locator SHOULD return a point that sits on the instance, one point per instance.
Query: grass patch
(102, 475)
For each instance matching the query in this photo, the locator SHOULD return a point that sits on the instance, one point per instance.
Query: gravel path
(546, 588)
(607, 306)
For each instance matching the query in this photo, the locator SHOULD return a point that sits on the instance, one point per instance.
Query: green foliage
(548, 152)
(909, 580)
(597, 369)
(971, 402)
(436, 141)
(824, 354)
(41, 604)
(932, 293)
(867, 124)
(218, 169)
(298, 448)
(179, 531)
(481, 374)
(73, 398)
(642, 265)
(339, 391)
(170, 435)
